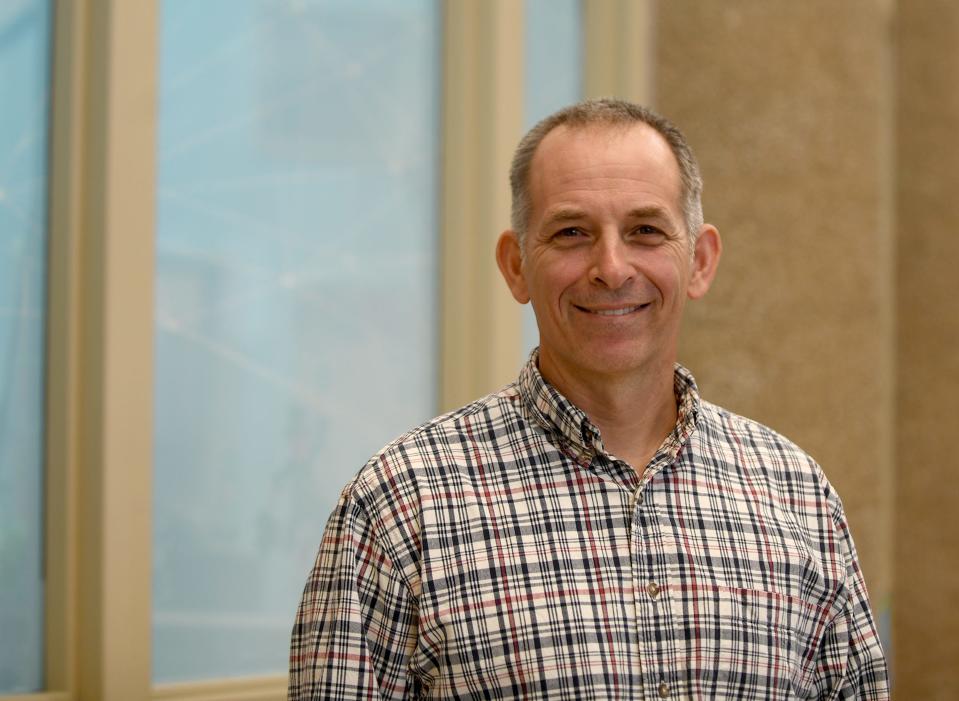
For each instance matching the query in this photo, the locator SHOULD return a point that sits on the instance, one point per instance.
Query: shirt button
(639, 498)
(663, 690)
(652, 589)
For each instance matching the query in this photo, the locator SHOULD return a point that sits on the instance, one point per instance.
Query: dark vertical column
(927, 474)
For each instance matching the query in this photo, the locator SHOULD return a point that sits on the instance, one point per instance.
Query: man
(594, 530)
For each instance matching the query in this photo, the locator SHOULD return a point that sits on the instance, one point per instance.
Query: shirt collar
(556, 414)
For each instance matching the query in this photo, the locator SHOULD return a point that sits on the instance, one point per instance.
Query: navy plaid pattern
(501, 552)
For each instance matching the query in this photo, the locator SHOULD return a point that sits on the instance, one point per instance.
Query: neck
(634, 412)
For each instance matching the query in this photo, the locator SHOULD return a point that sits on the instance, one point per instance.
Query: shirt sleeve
(355, 628)
(851, 663)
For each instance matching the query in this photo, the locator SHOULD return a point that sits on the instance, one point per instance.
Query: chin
(607, 357)
(611, 361)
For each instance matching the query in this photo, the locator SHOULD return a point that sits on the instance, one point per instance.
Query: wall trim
(482, 123)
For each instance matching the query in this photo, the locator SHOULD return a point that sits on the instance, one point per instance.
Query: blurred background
(245, 243)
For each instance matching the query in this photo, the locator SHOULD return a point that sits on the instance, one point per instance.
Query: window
(296, 306)
(24, 89)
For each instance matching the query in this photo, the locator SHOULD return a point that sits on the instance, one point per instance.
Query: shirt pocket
(738, 641)
(763, 637)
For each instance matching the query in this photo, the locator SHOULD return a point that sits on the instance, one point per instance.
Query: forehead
(603, 157)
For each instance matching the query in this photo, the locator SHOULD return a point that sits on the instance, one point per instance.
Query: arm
(851, 664)
(355, 629)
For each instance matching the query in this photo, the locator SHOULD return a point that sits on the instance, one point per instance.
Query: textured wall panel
(788, 106)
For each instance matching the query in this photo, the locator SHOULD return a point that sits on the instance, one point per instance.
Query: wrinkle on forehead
(569, 154)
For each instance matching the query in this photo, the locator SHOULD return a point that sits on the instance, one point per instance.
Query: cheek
(670, 276)
(549, 282)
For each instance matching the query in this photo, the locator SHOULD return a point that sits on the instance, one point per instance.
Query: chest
(571, 581)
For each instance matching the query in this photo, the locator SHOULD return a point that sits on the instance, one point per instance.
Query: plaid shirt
(501, 552)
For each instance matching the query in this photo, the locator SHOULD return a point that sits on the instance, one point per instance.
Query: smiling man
(594, 530)
(604, 253)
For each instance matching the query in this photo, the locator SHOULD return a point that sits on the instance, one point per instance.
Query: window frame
(100, 350)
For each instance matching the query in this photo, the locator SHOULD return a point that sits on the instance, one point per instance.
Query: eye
(570, 232)
(647, 233)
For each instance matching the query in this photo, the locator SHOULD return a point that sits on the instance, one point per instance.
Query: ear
(709, 248)
(510, 261)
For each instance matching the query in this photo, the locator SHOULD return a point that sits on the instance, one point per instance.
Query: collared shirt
(501, 551)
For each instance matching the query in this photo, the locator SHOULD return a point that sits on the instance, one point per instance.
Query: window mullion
(482, 122)
(100, 369)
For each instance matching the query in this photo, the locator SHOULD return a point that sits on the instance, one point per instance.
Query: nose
(611, 267)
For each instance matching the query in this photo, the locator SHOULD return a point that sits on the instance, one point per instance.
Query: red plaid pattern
(501, 552)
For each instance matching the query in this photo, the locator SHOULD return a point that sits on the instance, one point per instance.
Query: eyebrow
(564, 215)
(571, 214)
(650, 212)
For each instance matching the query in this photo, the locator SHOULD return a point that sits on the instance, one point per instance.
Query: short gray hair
(606, 112)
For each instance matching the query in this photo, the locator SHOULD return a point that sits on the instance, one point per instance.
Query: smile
(622, 311)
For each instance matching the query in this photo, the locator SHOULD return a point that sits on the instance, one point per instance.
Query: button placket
(654, 589)
(641, 534)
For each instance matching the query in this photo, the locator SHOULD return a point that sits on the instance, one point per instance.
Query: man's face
(607, 262)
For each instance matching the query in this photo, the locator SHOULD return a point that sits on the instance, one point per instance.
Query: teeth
(616, 312)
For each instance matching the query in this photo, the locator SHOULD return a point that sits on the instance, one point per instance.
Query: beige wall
(790, 118)
(829, 138)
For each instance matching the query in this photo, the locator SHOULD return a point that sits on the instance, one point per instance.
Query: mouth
(613, 311)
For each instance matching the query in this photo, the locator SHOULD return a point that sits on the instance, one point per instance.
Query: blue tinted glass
(24, 90)
(296, 298)
(554, 79)
(554, 57)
